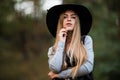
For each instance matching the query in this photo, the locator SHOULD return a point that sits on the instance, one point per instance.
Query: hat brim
(83, 13)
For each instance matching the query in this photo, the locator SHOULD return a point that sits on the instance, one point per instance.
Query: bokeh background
(24, 38)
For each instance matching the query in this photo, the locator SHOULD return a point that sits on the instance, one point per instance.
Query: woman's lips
(68, 24)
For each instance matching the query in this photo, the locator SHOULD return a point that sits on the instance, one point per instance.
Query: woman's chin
(69, 29)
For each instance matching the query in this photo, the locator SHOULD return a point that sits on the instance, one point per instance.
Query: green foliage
(113, 5)
(106, 43)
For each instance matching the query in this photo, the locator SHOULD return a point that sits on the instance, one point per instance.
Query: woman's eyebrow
(73, 14)
(65, 14)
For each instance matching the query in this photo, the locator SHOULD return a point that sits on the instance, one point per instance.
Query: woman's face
(69, 20)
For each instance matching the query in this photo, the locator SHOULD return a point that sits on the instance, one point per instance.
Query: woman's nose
(69, 18)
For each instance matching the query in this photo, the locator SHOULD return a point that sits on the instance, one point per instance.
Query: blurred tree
(18, 39)
(5, 17)
(36, 26)
(113, 5)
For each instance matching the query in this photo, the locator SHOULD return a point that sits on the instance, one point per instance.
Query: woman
(70, 57)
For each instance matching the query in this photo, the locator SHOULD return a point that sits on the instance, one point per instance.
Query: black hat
(83, 13)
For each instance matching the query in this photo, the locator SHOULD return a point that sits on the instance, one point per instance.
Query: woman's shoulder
(88, 39)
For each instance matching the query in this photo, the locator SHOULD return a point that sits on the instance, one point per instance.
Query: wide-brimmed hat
(82, 12)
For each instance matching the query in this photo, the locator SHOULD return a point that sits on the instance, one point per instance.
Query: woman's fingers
(52, 75)
(63, 31)
(63, 34)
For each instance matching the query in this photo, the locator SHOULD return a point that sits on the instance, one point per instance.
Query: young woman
(71, 57)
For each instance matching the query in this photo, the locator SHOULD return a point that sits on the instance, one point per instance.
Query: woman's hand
(62, 34)
(52, 75)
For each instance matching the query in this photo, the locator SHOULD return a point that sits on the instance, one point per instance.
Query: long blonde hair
(76, 49)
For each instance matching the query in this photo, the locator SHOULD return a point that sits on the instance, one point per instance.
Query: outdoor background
(24, 38)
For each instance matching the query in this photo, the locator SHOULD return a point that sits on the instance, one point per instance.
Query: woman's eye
(65, 17)
(73, 17)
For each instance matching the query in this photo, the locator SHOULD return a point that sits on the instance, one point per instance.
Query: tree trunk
(22, 37)
(36, 27)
